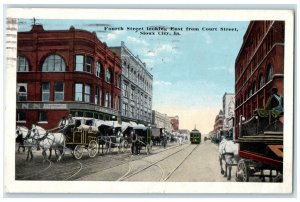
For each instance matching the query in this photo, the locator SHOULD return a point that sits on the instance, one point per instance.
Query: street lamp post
(242, 118)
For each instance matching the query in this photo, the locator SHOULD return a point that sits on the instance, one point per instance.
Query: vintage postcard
(148, 101)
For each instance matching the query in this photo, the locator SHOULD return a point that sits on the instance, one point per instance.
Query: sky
(191, 70)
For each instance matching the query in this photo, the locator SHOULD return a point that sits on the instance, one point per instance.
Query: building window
(45, 91)
(98, 69)
(109, 101)
(58, 91)
(89, 64)
(125, 90)
(132, 111)
(21, 116)
(83, 64)
(269, 72)
(106, 99)
(79, 62)
(78, 91)
(131, 94)
(22, 92)
(100, 96)
(261, 81)
(22, 64)
(43, 116)
(125, 109)
(117, 103)
(87, 93)
(108, 75)
(119, 81)
(54, 63)
(96, 101)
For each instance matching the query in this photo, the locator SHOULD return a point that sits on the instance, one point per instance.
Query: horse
(117, 141)
(49, 141)
(20, 138)
(228, 151)
(23, 134)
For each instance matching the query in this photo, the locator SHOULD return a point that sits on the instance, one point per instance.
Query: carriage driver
(275, 103)
(63, 122)
(135, 143)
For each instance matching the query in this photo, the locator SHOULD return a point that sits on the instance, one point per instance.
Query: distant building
(228, 109)
(137, 82)
(174, 123)
(259, 66)
(160, 120)
(184, 131)
(65, 71)
(219, 121)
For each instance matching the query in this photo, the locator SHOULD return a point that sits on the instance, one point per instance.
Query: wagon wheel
(242, 171)
(92, 148)
(78, 151)
(126, 145)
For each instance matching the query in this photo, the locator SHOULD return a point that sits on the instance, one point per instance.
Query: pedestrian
(70, 120)
(275, 103)
(135, 143)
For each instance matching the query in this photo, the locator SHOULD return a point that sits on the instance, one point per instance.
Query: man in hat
(275, 103)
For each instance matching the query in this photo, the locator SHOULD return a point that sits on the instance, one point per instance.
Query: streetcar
(195, 136)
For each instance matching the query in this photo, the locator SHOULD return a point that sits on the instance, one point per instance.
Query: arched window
(98, 69)
(22, 64)
(261, 81)
(269, 72)
(108, 75)
(54, 63)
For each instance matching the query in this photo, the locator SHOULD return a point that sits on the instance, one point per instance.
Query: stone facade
(137, 82)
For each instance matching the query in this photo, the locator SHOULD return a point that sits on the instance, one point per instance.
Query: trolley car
(195, 137)
(261, 148)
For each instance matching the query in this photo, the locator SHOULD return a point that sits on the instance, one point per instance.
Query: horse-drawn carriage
(98, 135)
(81, 135)
(261, 147)
(142, 138)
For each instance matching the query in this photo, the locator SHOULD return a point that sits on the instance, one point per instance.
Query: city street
(178, 163)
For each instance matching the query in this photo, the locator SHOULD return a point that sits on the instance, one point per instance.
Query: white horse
(228, 151)
(49, 141)
(24, 134)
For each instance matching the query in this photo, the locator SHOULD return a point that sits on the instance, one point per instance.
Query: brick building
(174, 123)
(65, 71)
(259, 66)
(218, 126)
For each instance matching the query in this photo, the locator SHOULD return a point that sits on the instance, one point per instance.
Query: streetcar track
(152, 164)
(161, 169)
(171, 173)
(122, 163)
(89, 165)
(75, 172)
(129, 170)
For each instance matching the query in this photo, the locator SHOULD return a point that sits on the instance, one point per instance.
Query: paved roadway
(185, 163)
